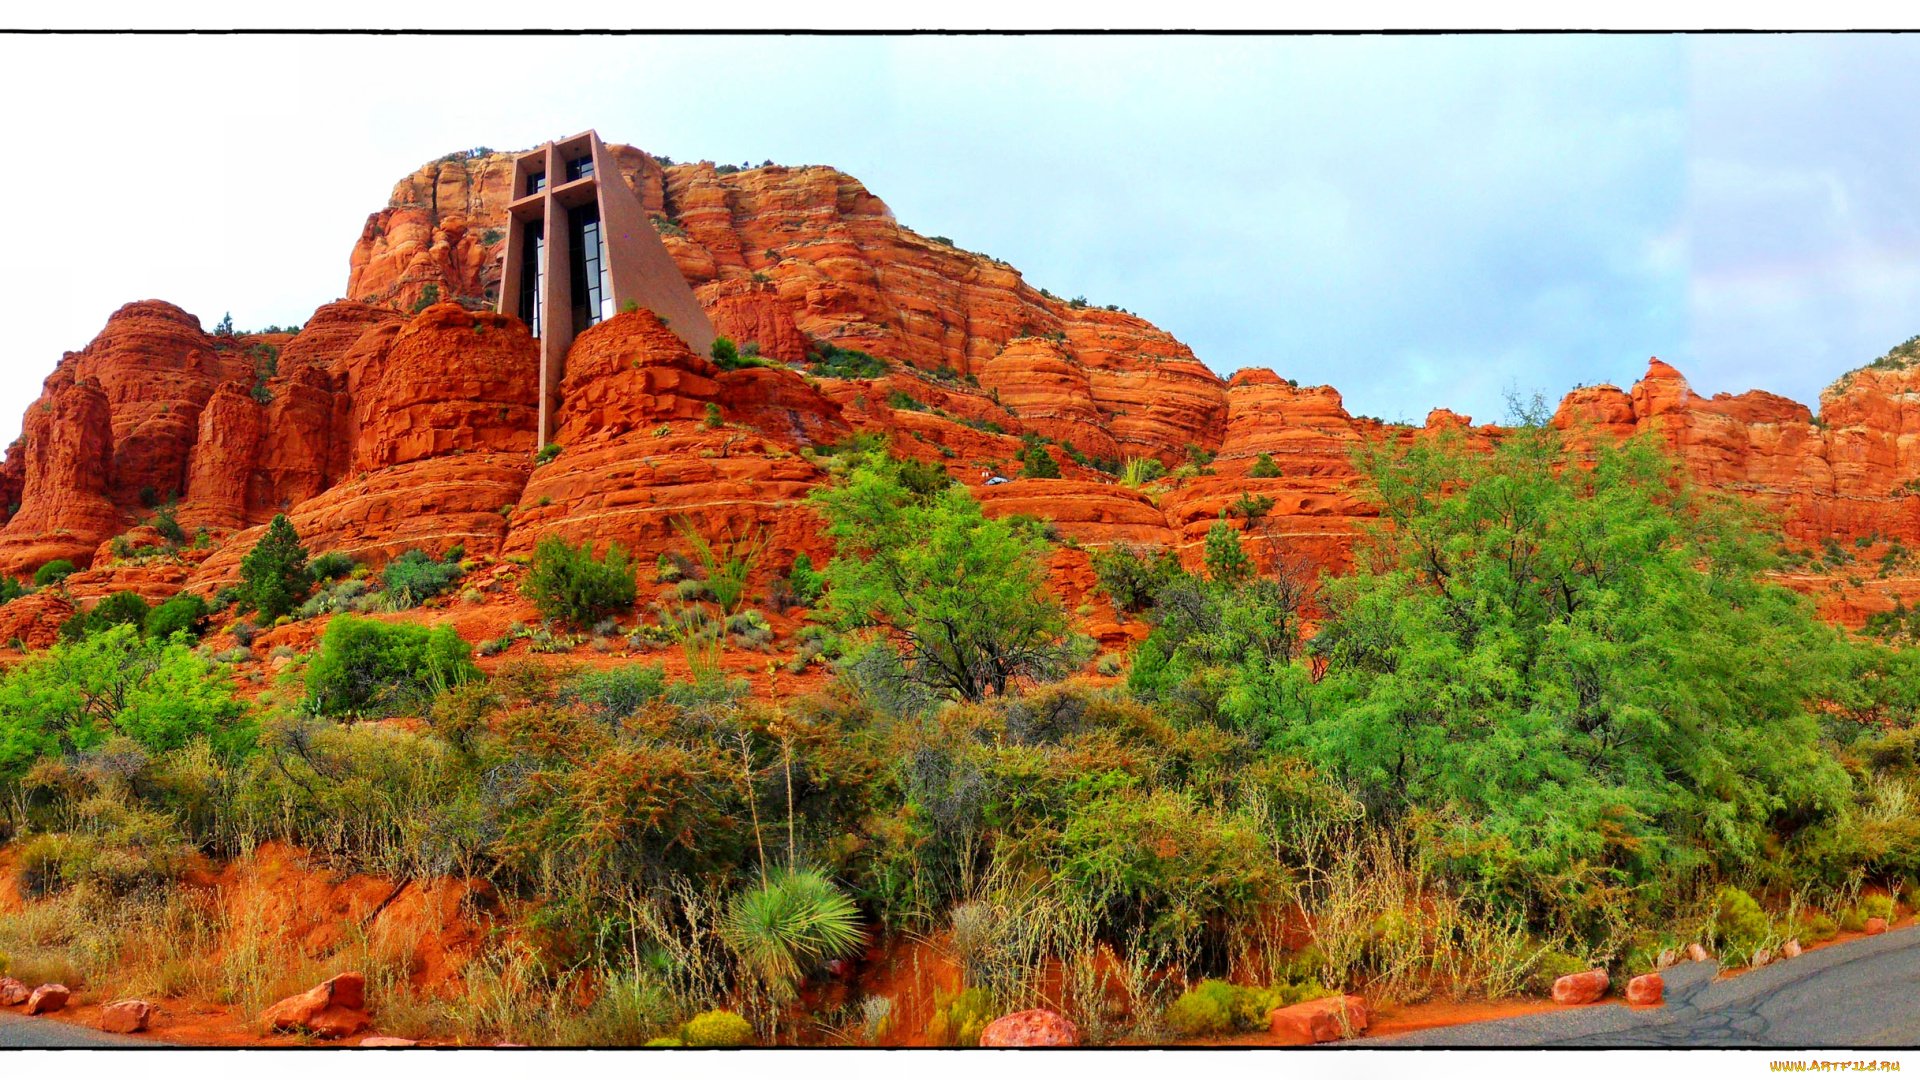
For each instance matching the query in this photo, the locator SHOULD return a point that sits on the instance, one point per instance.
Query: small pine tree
(274, 574)
(1227, 561)
(224, 328)
(1264, 468)
(1036, 462)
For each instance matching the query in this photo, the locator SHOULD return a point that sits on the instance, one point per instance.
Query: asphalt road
(19, 1032)
(1862, 993)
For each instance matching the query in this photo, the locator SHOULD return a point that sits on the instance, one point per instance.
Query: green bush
(11, 589)
(717, 1028)
(52, 573)
(570, 586)
(273, 575)
(183, 614)
(331, 566)
(124, 608)
(80, 694)
(547, 454)
(1263, 467)
(960, 1020)
(416, 577)
(833, 362)
(613, 694)
(365, 666)
(1207, 1009)
(1039, 464)
(1132, 577)
(804, 581)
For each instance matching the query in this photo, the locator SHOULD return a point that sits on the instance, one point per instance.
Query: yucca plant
(1141, 471)
(794, 920)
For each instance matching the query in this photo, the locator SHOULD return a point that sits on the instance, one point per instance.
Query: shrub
(547, 454)
(52, 573)
(1133, 576)
(961, 1019)
(1039, 464)
(168, 526)
(274, 574)
(1207, 1009)
(184, 614)
(416, 577)
(80, 694)
(729, 563)
(1739, 923)
(901, 400)
(713, 416)
(716, 1029)
(1250, 508)
(364, 665)
(244, 633)
(804, 581)
(571, 586)
(833, 362)
(784, 927)
(613, 694)
(1263, 467)
(1139, 472)
(11, 589)
(331, 566)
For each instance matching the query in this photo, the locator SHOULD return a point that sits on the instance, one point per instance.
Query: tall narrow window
(579, 167)
(533, 276)
(587, 263)
(536, 183)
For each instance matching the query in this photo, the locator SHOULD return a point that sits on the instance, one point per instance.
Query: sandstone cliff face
(380, 429)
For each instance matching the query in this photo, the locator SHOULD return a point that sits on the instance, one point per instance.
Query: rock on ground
(332, 1010)
(49, 998)
(126, 1017)
(12, 991)
(1581, 988)
(1646, 990)
(1035, 1027)
(1320, 1020)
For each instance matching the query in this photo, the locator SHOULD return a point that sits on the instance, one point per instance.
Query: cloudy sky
(1418, 221)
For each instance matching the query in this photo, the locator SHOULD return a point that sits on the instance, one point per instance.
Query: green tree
(1263, 467)
(1569, 671)
(273, 576)
(52, 573)
(1226, 560)
(964, 597)
(82, 693)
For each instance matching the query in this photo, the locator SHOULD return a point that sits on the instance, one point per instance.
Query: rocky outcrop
(67, 447)
(452, 382)
(333, 1010)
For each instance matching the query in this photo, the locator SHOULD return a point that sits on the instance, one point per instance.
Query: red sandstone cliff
(377, 428)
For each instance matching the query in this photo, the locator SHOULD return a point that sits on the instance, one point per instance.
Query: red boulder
(1035, 1027)
(1876, 925)
(126, 1017)
(332, 1010)
(12, 991)
(49, 998)
(1321, 1020)
(1646, 990)
(1580, 989)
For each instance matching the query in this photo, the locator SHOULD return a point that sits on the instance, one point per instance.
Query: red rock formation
(751, 312)
(68, 451)
(452, 382)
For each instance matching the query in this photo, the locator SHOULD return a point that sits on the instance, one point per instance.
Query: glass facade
(591, 283)
(533, 278)
(579, 167)
(536, 183)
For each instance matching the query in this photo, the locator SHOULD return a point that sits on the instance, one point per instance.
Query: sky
(1418, 221)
